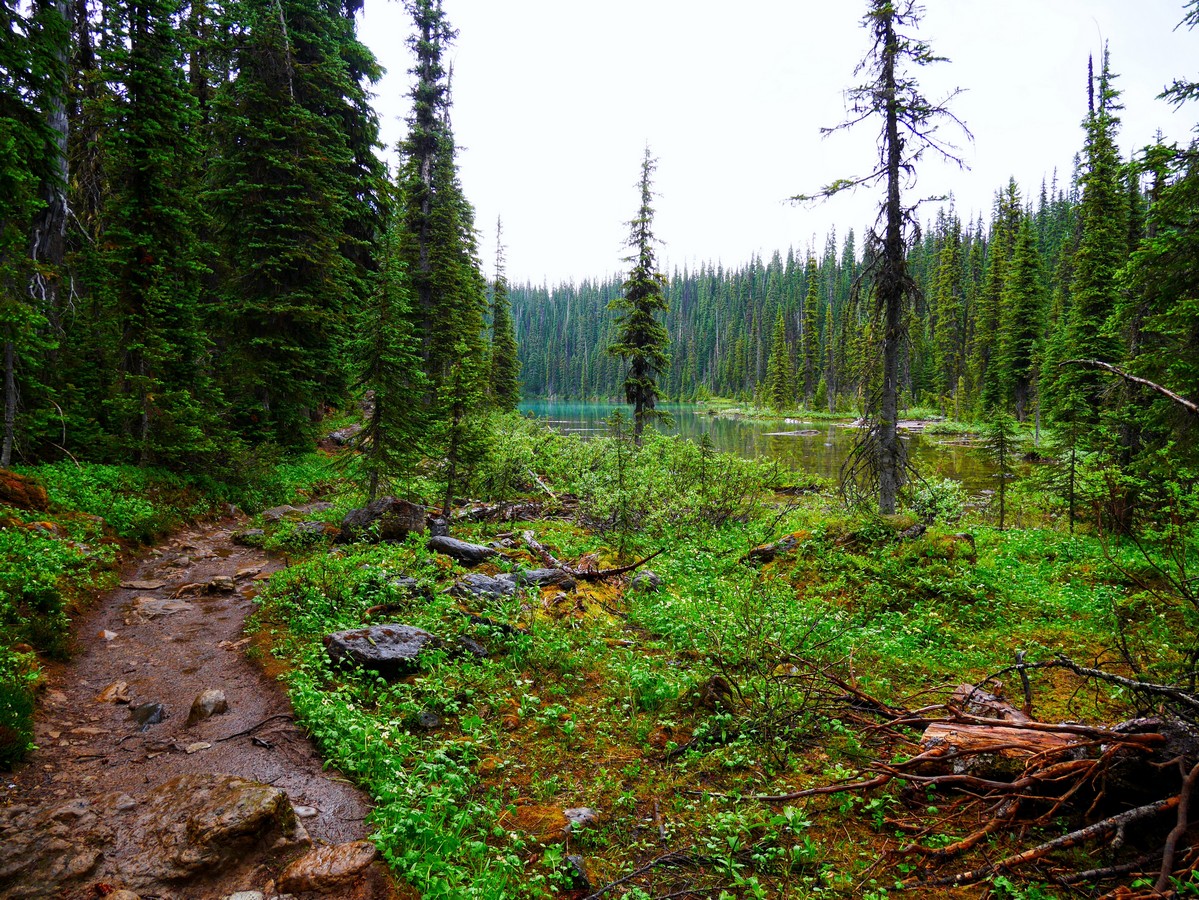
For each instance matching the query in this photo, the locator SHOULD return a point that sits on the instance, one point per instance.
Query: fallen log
(585, 573)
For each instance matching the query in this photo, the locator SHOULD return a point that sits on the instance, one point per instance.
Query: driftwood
(583, 573)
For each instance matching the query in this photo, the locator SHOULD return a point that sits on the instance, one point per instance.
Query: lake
(819, 448)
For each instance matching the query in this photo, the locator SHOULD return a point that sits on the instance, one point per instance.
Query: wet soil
(167, 634)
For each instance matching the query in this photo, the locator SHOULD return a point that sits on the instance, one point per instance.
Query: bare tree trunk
(891, 288)
(47, 240)
(10, 404)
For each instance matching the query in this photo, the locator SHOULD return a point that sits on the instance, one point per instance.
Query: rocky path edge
(169, 764)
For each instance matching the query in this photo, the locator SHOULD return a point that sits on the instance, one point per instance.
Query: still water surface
(818, 448)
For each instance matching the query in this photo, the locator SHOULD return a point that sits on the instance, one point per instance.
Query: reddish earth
(171, 631)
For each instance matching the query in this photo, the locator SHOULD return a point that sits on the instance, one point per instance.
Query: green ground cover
(669, 710)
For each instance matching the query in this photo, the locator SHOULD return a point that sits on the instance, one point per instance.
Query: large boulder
(385, 519)
(464, 552)
(390, 650)
(22, 492)
(190, 828)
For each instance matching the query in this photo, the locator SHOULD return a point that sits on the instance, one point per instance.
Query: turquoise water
(815, 447)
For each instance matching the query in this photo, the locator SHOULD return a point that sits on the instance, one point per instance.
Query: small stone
(305, 812)
(575, 869)
(117, 692)
(154, 607)
(647, 581)
(249, 537)
(326, 869)
(125, 803)
(245, 895)
(581, 815)
(278, 513)
(248, 572)
(207, 704)
(123, 895)
(196, 747)
(222, 584)
(147, 714)
(108, 635)
(143, 585)
(428, 720)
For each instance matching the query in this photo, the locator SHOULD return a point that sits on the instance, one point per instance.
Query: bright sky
(555, 100)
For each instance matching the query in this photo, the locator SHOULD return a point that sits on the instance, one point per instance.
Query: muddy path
(114, 722)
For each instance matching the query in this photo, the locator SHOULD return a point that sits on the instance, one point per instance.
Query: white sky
(555, 100)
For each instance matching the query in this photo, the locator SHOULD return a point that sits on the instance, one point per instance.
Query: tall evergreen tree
(640, 338)
(810, 340)
(160, 405)
(391, 371)
(292, 207)
(1023, 305)
(1101, 252)
(504, 364)
(909, 128)
(778, 370)
(439, 233)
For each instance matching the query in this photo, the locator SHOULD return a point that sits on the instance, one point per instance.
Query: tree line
(202, 252)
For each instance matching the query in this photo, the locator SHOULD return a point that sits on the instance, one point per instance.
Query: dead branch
(1064, 842)
(673, 858)
(1184, 805)
(1189, 406)
(549, 560)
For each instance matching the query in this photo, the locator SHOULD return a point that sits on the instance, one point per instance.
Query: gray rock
(478, 585)
(207, 704)
(222, 584)
(428, 720)
(311, 529)
(249, 537)
(439, 527)
(647, 581)
(471, 647)
(390, 650)
(279, 513)
(464, 552)
(147, 714)
(344, 436)
(385, 519)
(575, 870)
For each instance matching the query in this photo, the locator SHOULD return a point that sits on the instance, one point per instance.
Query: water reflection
(815, 447)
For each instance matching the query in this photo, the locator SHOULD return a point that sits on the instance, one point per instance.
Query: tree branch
(1188, 405)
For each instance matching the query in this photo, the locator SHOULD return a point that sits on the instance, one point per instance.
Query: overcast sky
(554, 101)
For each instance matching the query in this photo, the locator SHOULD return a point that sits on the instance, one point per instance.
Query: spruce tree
(161, 403)
(1078, 391)
(390, 441)
(439, 234)
(949, 339)
(778, 370)
(1023, 321)
(641, 339)
(810, 340)
(292, 207)
(504, 363)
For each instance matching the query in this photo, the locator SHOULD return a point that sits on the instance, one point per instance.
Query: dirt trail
(171, 631)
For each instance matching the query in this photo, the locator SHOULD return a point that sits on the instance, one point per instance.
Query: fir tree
(778, 370)
(504, 363)
(810, 340)
(640, 338)
(390, 441)
(1023, 320)
(1079, 391)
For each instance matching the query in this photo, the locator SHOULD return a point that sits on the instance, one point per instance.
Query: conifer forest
(260, 361)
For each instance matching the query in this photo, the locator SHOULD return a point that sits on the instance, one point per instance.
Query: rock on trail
(168, 764)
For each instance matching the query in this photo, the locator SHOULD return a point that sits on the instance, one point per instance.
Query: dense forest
(202, 251)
